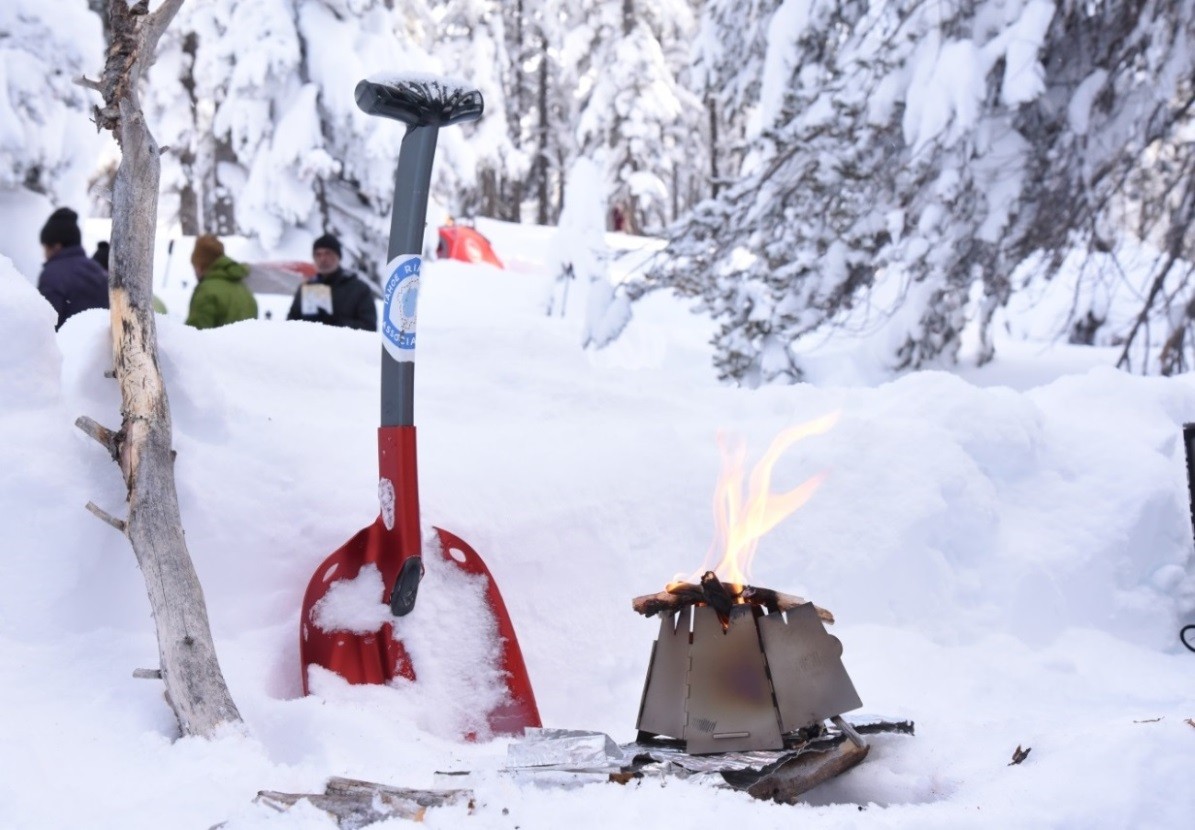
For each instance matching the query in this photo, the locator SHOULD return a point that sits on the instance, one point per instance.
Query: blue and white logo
(398, 312)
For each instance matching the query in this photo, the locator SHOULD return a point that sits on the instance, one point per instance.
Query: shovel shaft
(399, 497)
(412, 181)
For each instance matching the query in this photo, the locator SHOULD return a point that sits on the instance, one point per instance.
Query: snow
(1007, 550)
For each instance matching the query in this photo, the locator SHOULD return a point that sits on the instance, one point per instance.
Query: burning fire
(746, 508)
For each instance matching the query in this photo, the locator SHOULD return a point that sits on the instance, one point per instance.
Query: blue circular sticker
(398, 311)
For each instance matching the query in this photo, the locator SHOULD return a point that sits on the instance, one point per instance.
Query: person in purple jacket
(71, 280)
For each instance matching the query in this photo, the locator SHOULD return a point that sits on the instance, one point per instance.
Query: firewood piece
(689, 590)
(684, 594)
(651, 604)
(903, 727)
(356, 804)
(776, 601)
(425, 798)
(351, 812)
(787, 781)
(718, 597)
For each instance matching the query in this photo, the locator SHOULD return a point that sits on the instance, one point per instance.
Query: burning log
(684, 594)
(718, 597)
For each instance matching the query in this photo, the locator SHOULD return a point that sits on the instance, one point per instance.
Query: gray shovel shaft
(412, 182)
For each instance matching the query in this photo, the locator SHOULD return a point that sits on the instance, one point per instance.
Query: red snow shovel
(393, 542)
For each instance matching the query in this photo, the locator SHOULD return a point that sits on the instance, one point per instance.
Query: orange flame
(740, 522)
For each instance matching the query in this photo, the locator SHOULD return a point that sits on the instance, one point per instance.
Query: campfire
(737, 667)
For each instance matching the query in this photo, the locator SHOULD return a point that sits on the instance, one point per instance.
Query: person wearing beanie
(334, 297)
(102, 249)
(221, 297)
(70, 280)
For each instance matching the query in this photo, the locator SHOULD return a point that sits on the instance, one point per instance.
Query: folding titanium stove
(745, 677)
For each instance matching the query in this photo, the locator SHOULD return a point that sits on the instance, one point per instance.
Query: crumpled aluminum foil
(565, 749)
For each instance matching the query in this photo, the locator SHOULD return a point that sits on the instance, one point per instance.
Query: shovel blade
(372, 657)
(377, 657)
(518, 710)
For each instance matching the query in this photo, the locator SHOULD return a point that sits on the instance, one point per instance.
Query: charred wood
(684, 594)
(717, 597)
(786, 781)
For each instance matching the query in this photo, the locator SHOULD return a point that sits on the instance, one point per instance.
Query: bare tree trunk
(189, 216)
(195, 686)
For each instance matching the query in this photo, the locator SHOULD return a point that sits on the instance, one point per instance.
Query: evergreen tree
(728, 59)
(46, 144)
(472, 42)
(917, 154)
(258, 103)
(634, 113)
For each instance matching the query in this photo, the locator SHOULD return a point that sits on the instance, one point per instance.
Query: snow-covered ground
(1008, 552)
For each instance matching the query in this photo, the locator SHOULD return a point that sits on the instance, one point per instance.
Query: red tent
(466, 244)
(277, 277)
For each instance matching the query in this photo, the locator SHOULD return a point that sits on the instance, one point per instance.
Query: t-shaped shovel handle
(420, 102)
(424, 103)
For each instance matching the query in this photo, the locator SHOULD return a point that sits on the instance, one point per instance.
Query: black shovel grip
(406, 587)
(425, 102)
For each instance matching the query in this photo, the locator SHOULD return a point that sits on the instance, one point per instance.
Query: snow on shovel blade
(364, 649)
(377, 656)
(373, 657)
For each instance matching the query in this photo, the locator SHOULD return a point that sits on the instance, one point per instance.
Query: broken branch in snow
(354, 803)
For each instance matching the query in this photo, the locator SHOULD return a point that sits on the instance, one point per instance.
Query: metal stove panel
(805, 661)
(662, 710)
(731, 707)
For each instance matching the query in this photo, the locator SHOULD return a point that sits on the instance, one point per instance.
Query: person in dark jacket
(70, 280)
(334, 297)
(221, 297)
(102, 249)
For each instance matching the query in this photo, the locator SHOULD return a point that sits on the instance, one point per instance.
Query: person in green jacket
(221, 297)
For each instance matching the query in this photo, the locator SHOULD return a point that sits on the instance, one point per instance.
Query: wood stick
(108, 438)
(426, 798)
(100, 513)
(355, 803)
(349, 811)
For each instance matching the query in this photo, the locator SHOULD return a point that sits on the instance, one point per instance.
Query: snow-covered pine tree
(1114, 160)
(46, 144)
(633, 109)
(728, 57)
(918, 153)
(273, 85)
(472, 43)
(543, 100)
